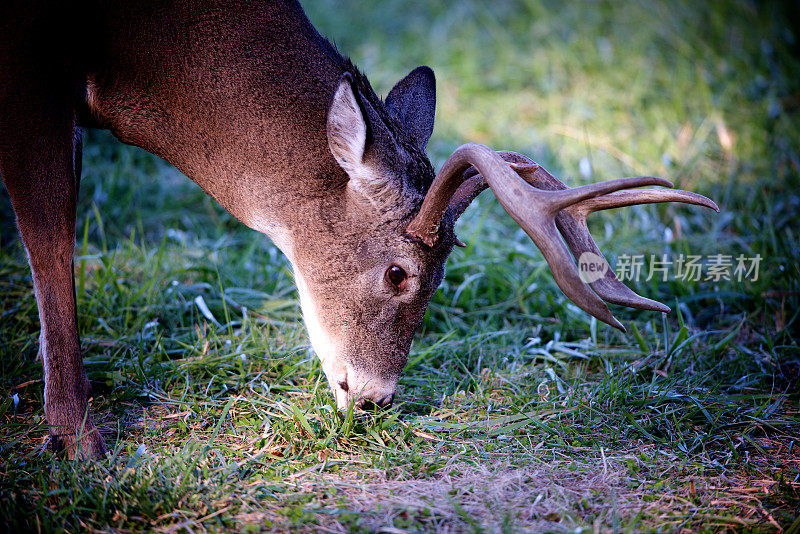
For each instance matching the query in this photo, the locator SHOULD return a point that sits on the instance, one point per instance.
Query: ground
(517, 412)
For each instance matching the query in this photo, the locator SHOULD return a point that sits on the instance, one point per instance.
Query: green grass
(518, 411)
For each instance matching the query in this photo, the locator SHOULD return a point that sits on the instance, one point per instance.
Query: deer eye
(396, 276)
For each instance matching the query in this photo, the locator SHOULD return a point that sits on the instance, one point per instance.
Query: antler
(543, 206)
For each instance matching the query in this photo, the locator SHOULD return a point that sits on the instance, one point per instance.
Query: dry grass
(539, 490)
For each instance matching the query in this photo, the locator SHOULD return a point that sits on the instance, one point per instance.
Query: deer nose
(386, 401)
(380, 404)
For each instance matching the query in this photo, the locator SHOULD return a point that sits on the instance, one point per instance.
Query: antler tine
(533, 209)
(609, 287)
(571, 222)
(466, 182)
(425, 225)
(621, 199)
(576, 233)
(473, 185)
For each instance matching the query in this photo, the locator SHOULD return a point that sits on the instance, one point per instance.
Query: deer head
(364, 287)
(363, 283)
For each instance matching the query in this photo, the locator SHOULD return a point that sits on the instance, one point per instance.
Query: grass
(518, 411)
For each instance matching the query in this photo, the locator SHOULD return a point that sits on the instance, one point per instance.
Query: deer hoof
(84, 446)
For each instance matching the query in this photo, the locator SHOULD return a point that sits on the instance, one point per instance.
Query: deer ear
(412, 102)
(352, 124)
(347, 129)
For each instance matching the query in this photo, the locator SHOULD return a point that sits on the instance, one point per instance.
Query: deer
(249, 101)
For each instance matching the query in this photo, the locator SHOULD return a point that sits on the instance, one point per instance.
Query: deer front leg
(40, 164)
(66, 388)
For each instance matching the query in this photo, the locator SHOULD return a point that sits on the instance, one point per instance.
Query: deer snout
(368, 395)
(370, 406)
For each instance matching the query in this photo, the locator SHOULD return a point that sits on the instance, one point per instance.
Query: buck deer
(248, 100)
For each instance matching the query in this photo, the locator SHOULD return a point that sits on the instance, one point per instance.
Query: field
(517, 411)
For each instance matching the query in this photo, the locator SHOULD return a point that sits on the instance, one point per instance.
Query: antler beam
(543, 206)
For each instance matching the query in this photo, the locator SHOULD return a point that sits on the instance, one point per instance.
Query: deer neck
(226, 98)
